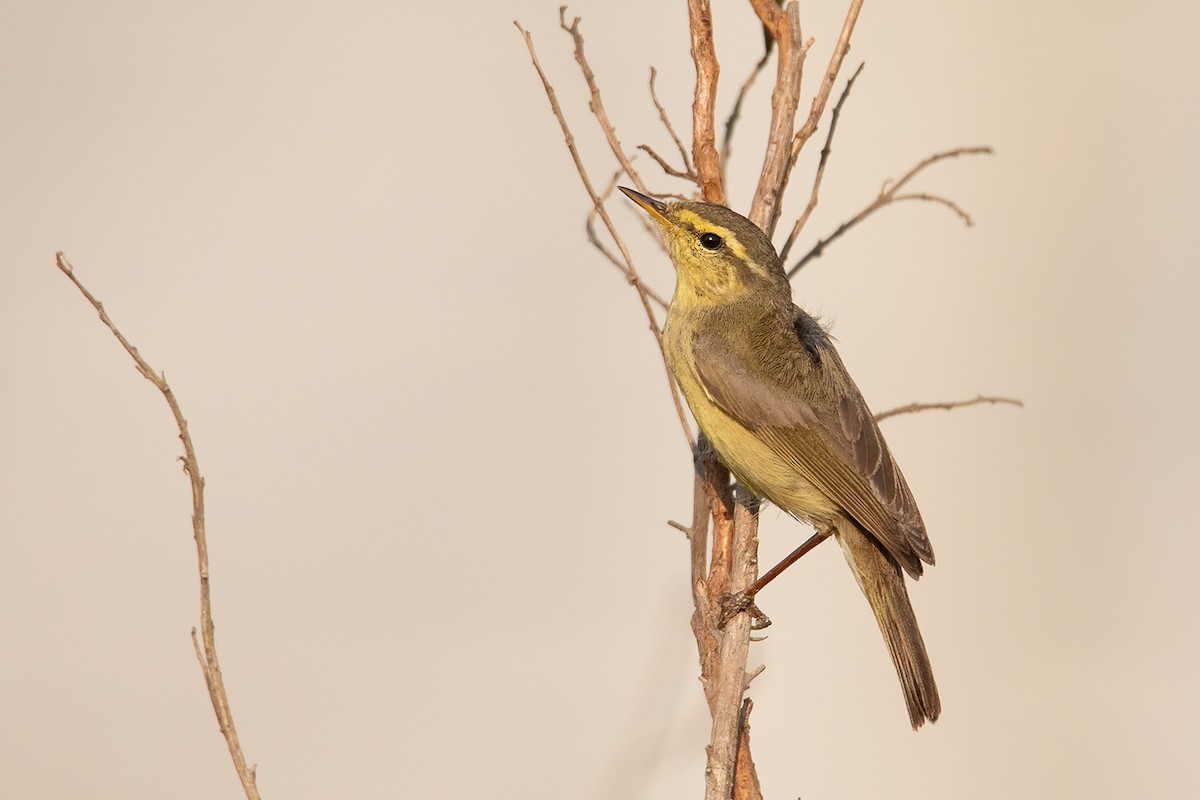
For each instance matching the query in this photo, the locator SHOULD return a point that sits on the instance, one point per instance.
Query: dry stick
(704, 136)
(598, 205)
(913, 408)
(688, 171)
(819, 102)
(890, 194)
(736, 113)
(596, 104)
(784, 26)
(825, 151)
(723, 751)
(208, 658)
(723, 653)
(667, 168)
(590, 227)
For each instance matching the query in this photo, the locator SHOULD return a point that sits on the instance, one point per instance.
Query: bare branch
(598, 204)
(736, 113)
(597, 104)
(734, 650)
(933, 198)
(835, 64)
(825, 151)
(913, 408)
(667, 168)
(784, 27)
(688, 171)
(890, 193)
(208, 658)
(704, 137)
(594, 239)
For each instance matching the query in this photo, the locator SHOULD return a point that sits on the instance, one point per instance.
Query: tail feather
(882, 582)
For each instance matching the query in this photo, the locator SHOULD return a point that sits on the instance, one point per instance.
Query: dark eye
(711, 241)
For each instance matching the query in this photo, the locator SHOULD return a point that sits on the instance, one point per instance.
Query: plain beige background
(439, 450)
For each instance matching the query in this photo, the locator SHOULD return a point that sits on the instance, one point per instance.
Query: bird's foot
(734, 604)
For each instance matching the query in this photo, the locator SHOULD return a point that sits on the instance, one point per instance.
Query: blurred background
(439, 448)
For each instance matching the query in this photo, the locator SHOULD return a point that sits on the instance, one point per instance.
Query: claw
(734, 604)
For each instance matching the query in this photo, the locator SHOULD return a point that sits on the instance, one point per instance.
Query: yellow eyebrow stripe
(704, 226)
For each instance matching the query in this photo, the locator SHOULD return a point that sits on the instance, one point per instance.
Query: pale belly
(752, 461)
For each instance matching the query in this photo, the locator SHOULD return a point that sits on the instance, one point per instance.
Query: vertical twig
(598, 204)
(784, 26)
(704, 136)
(208, 656)
(824, 161)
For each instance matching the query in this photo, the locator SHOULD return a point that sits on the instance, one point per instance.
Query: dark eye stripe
(710, 241)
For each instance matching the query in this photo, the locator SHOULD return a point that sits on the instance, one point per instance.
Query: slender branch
(704, 137)
(688, 171)
(598, 204)
(913, 408)
(736, 113)
(825, 152)
(667, 168)
(596, 104)
(784, 27)
(933, 198)
(208, 657)
(890, 193)
(835, 64)
(594, 239)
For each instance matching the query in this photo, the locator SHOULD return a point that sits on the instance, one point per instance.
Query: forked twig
(594, 239)
(208, 656)
(913, 408)
(825, 151)
(890, 193)
(835, 64)
(598, 204)
(736, 113)
(688, 172)
(596, 104)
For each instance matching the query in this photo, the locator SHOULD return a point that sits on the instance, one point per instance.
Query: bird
(769, 391)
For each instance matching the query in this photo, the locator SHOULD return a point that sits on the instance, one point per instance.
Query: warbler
(771, 394)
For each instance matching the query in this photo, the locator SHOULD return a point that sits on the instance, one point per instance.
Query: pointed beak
(653, 207)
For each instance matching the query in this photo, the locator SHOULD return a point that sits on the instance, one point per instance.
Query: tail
(882, 582)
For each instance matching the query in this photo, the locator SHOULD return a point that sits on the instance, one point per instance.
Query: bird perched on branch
(771, 394)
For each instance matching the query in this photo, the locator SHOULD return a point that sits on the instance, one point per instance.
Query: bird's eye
(710, 241)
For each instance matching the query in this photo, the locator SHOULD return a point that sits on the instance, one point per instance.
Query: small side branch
(835, 65)
(597, 104)
(208, 655)
(598, 205)
(913, 408)
(704, 137)
(736, 113)
(890, 193)
(783, 24)
(820, 176)
(688, 172)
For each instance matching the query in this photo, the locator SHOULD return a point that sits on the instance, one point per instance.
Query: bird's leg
(733, 604)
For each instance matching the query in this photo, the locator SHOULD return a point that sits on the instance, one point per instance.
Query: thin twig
(890, 193)
(704, 137)
(667, 168)
(784, 26)
(597, 104)
(825, 151)
(736, 113)
(594, 239)
(913, 408)
(835, 64)
(598, 204)
(208, 658)
(688, 171)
